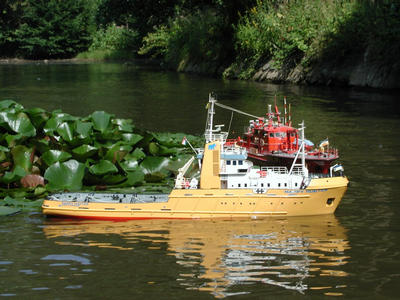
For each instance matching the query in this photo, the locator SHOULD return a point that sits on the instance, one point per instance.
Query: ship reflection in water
(226, 257)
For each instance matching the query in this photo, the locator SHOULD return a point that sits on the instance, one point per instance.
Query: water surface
(352, 254)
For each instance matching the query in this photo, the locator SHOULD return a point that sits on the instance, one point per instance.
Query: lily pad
(65, 176)
(137, 154)
(38, 116)
(8, 211)
(52, 156)
(153, 148)
(129, 165)
(123, 125)
(12, 139)
(20, 123)
(101, 120)
(66, 131)
(83, 129)
(117, 152)
(7, 104)
(131, 138)
(103, 167)
(84, 151)
(22, 157)
(153, 164)
(154, 177)
(134, 178)
(14, 175)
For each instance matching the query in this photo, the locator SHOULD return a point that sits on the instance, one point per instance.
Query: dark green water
(353, 254)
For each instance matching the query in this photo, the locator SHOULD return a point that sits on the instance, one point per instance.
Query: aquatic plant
(43, 151)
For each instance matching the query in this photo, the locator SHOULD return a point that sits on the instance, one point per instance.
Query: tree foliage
(54, 28)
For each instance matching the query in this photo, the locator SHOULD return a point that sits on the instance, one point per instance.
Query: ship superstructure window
(262, 184)
(240, 162)
(238, 184)
(234, 162)
(269, 184)
(228, 162)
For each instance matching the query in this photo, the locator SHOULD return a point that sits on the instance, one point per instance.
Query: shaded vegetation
(237, 36)
(43, 151)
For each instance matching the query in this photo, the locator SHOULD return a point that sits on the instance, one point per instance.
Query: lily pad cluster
(43, 151)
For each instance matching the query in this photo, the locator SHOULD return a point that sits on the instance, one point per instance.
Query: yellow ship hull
(322, 196)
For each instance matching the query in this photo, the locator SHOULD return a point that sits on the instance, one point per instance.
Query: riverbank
(353, 71)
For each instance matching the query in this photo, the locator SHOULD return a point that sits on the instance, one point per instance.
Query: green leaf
(163, 150)
(38, 116)
(22, 203)
(40, 190)
(14, 175)
(3, 156)
(113, 178)
(131, 138)
(117, 152)
(8, 211)
(52, 125)
(22, 157)
(153, 164)
(137, 154)
(134, 178)
(154, 177)
(129, 165)
(65, 176)
(19, 123)
(52, 156)
(103, 167)
(83, 129)
(123, 125)
(8, 104)
(153, 148)
(66, 131)
(101, 120)
(12, 139)
(4, 149)
(84, 151)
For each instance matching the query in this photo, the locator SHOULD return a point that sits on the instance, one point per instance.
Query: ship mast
(208, 134)
(301, 152)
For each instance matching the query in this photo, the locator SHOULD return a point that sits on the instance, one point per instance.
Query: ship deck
(109, 198)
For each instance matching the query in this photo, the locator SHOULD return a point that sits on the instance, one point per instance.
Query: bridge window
(234, 162)
(240, 162)
(238, 184)
(228, 162)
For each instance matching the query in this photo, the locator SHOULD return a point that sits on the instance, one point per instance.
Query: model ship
(229, 186)
(272, 140)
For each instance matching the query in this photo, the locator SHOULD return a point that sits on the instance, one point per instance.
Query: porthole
(330, 201)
